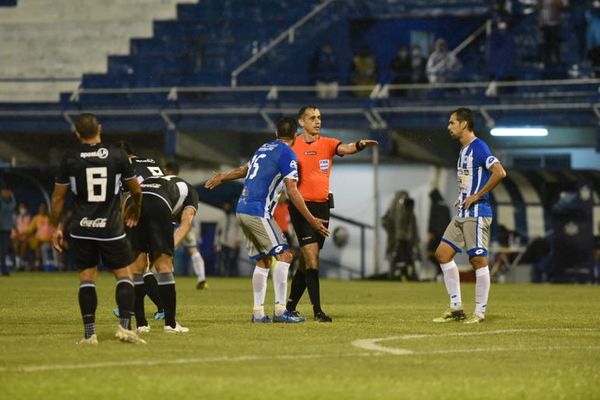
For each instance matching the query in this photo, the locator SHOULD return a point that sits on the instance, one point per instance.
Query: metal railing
(289, 34)
(370, 108)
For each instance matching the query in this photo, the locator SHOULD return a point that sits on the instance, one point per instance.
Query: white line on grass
(373, 344)
(176, 361)
(367, 344)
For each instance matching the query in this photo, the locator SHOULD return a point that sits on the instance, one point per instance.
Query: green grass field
(538, 342)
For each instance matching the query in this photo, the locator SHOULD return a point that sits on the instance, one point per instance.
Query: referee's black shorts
(307, 234)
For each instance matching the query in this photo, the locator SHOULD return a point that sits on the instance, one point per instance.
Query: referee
(315, 156)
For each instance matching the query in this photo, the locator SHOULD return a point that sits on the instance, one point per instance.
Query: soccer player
(145, 283)
(167, 199)
(315, 155)
(272, 167)
(478, 172)
(93, 172)
(190, 242)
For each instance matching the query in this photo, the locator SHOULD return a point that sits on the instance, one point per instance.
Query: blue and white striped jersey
(474, 162)
(270, 165)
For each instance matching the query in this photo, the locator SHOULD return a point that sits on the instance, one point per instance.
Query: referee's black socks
(312, 284)
(297, 290)
(88, 301)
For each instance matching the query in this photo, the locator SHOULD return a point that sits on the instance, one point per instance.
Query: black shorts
(154, 232)
(115, 254)
(307, 234)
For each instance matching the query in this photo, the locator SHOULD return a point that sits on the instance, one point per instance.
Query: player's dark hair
(87, 125)
(303, 109)
(127, 147)
(173, 167)
(286, 128)
(465, 114)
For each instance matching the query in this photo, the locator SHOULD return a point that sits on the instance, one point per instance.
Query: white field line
(365, 344)
(373, 344)
(176, 361)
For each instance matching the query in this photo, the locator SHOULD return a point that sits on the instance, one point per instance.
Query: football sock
(297, 290)
(259, 289)
(452, 281)
(88, 301)
(280, 275)
(140, 293)
(482, 289)
(151, 286)
(166, 287)
(312, 284)
(198, 266)
(124, 294)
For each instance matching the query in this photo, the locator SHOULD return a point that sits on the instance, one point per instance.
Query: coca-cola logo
(93, 223)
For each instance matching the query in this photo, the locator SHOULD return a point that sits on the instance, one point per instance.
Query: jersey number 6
(97, 180)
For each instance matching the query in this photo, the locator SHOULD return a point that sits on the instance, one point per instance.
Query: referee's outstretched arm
(352, 148)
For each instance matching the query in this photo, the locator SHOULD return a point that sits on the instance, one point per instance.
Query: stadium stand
(46, 49)
(204, 42)
(161, 67)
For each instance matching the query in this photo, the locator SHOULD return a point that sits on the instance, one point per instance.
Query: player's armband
(489, 161)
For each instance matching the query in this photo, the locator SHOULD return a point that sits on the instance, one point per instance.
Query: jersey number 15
(254, 167)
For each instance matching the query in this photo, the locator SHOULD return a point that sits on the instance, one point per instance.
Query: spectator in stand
(442, 64)
(20, 244)
(401, 66)
(364, 71)
(418, 63)
(577, 11)
(593, 36)
(40, 231)
(550, 25)
(7, 222)
(401, 69)
(324, 72)
(500, 47)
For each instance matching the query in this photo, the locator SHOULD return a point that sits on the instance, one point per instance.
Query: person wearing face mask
(418, 63)
(442, 64)
(500, 47)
